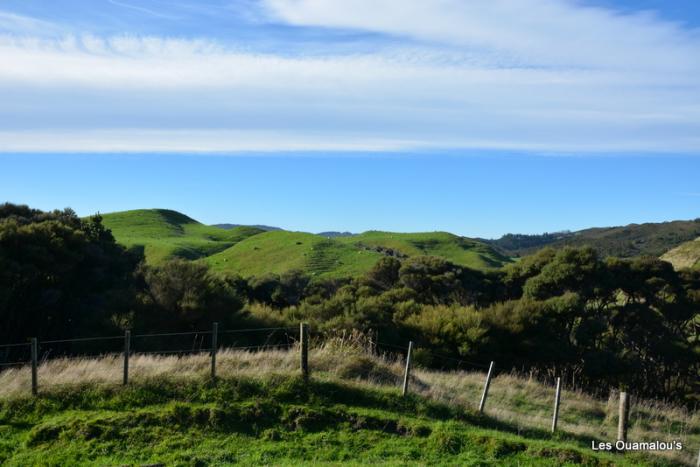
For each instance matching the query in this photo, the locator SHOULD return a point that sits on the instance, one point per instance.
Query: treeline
(599, 323)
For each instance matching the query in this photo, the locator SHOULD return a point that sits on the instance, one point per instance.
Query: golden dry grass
(521, 402)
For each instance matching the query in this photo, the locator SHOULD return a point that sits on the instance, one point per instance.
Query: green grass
(164, 234)
(277, 420)
(281, 251)
(250, 251)
(459, 250)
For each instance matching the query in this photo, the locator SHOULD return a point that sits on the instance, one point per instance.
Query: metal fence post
(127, 351)
(304, 349)
(623, 416)
(35, 365)
(214, 348)
(407, 372)
(557, 398)
(485, 393)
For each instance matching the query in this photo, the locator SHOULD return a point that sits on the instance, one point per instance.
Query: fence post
(127, 351)
(35, 364)
(487, 383)
(698, 458)
(623, 416)
(304, 348)
(214, 348)
(557, 398)
(407, 372)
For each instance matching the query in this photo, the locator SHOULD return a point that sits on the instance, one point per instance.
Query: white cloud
(540, 75)
(524, 32)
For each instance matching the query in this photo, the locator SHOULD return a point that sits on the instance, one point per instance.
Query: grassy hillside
(252, 251)
(652, 239)
(260, 412)
(459, 250)
(687, 255)
(164, 234)
(281, 251)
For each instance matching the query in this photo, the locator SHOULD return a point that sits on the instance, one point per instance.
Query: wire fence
(125, 349)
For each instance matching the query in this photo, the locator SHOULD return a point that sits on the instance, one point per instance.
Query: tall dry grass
(519, 401)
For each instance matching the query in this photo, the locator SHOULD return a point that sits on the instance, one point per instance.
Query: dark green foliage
(59, 275)
(186, 296)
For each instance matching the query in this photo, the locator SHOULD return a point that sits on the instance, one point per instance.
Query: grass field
(686, 255)
(261, 412)
(251, 251)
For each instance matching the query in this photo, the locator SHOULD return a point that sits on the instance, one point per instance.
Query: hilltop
(250, 250)
(648, 239)
(163, 233)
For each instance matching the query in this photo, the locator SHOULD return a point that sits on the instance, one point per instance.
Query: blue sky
(432, 114)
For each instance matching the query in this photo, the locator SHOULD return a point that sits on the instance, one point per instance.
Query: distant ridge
(266, 228)
(648, 239)
(333, 234)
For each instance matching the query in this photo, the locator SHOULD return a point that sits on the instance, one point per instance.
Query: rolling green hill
(252, 251)
(653, 239)
(459, 250)
(281, 251)
(163, 234)
(687, 255)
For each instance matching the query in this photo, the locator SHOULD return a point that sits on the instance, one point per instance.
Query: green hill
(250, 251)
(163, 234)
(281, 251)
(459, 250)
(653, 239)
(687, 255)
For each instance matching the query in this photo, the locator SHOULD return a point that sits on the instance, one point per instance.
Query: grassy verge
(278, 420)
(259, 412)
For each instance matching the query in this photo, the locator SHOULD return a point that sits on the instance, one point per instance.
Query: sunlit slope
(163, 234)
(459, 250)
(687, 255)
(280, 251)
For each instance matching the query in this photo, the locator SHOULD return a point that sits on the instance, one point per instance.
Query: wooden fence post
(698, 465)
(407, 372)
(214, 348)
(487, 383)
(623, 416)
(557, 398)
(127, 351)
(304, 348)
(35, 365)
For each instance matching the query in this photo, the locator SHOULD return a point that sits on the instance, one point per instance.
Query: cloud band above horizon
(545, 76)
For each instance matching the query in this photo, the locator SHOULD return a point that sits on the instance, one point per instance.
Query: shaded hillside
(653, 239)
(687, 255)
(163, 233)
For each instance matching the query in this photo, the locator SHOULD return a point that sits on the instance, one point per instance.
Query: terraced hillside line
(324, 257)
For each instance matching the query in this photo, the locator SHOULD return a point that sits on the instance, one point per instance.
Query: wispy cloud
(539, 75)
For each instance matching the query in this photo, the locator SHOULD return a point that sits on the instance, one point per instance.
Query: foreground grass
(280, 420)
(259, 412)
